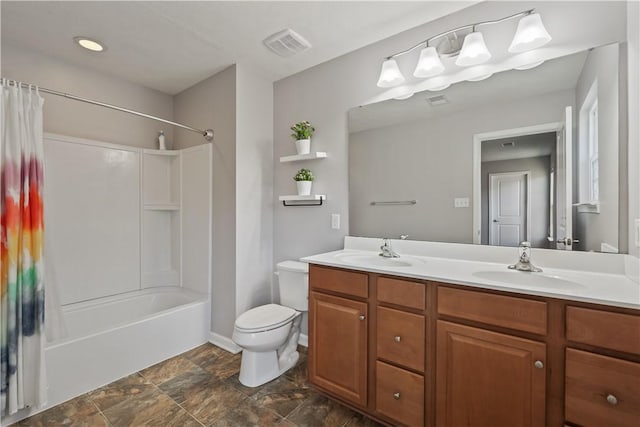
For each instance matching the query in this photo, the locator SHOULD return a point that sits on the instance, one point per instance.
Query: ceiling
(171, 45)
(520, 147)
(508, 86)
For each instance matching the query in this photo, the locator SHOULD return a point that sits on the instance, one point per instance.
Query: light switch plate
(461, 202)
(335, 221)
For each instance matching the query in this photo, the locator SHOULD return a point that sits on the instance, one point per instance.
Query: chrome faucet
(386, 250)
(524, 263)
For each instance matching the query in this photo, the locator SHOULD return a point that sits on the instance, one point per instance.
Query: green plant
(302, 130)
(303, 175)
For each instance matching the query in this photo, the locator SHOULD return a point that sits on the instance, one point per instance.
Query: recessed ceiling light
(90, 44)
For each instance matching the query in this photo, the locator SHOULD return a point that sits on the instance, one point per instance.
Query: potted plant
(303, 180)
(302, 132)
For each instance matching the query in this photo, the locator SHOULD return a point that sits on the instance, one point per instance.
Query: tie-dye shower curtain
(21, 263)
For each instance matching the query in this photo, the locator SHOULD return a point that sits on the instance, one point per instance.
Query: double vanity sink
(427, 338)
(600, 286)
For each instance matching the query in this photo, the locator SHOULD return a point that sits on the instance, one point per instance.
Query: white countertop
(610, 287)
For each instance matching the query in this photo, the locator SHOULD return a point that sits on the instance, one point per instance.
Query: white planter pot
(303, 146)
(304, 188)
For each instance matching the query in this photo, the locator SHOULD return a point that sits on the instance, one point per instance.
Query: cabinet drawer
(344, 282)
(604, 329)
(400, 394)
(401, 292)
(401, 338)
(601, 390)
(499, 310)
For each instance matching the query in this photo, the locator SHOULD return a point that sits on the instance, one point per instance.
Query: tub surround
(608, 279)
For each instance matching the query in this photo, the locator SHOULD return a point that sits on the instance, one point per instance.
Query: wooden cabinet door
(488, 379)
(338, 346)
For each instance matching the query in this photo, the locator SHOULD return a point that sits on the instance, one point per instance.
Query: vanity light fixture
(89, 44)
(531, 34)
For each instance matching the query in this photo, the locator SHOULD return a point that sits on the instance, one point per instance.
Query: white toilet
(269, 334)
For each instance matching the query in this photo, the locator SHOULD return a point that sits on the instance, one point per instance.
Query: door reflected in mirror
(524, 155)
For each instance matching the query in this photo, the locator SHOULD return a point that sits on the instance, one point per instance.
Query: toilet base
(257, 368)
(260, 368)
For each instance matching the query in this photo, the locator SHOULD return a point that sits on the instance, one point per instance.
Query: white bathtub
(109, 338)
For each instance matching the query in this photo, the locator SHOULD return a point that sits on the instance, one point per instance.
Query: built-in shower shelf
(162, 207)
(173, 153)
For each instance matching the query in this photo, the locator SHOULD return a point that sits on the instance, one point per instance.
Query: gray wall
(430, 161)
(595, 228)
(212, 104)
(324, 94)
(74, 118)
(539, 185)
(254, 189)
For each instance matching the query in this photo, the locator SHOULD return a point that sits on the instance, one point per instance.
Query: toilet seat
(264, 318)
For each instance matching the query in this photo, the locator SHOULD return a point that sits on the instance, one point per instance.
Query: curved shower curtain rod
(208, 134)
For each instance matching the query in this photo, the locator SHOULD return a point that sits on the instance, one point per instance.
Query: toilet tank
(293, 282)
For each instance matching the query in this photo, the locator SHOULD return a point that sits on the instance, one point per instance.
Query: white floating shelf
(161, 152)
(312, 200)
(299, 157)
(162, 207)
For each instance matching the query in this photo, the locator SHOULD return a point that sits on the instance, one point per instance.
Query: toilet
(269, 334)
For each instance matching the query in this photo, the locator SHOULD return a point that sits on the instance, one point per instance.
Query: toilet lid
(264, 317)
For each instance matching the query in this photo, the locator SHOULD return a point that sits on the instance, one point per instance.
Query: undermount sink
(375, 260)
(527, 279)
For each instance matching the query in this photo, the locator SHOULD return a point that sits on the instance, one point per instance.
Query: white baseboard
(224, 343)
(303, 340)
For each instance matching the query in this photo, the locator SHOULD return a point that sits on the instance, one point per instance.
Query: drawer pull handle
(611, 399)
(396, 395)
(538, 364)
(397, 338)
(362, 317)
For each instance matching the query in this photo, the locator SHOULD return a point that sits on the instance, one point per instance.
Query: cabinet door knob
(611, 399)
(362, 317)
(397, 338)
(538, 364)
(396, 395)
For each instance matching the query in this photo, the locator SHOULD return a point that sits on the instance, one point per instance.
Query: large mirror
(523, 155)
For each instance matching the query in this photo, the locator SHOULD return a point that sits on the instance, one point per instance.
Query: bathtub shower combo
(129, 234)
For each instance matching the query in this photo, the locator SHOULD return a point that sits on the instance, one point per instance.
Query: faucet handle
(525, 251)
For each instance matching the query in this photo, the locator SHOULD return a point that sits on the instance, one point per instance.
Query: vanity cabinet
(412, 352)
(338, 326)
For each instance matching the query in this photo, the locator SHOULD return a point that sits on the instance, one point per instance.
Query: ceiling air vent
(509, 144)
(436, 100)
(286, 43)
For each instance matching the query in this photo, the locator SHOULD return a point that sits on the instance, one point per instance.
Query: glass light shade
(390, 74)
(530, 34)
(474, 51)
(429, 64)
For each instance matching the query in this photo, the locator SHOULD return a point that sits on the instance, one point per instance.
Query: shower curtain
(22, 335)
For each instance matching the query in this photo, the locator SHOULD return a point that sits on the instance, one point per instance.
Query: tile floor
(201, 388)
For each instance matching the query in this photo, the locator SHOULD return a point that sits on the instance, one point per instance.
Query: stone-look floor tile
(118, 391)
(206, 354)
(321, 411)
(210, 400)
(169, 369)
(235, 382)
(298, 374)
(79, 412)
(248, 414)
(362, 421)
(224, 367)
(151, 408)
(176, 387)
(281, 396)
(286, 423)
